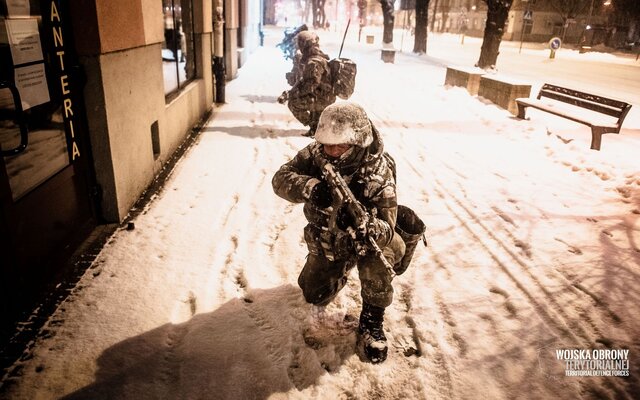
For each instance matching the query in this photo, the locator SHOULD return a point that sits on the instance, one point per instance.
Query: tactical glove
(343, 246)
(375, 228)
(283, 97)
(321, 195)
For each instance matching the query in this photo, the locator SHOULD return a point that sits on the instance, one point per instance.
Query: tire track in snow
(560, 318)
(549, 309)
(560, 277)
(502, 259)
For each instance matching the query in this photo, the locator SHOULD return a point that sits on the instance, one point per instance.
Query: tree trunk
(497, 15)
(422, 16)
(362, 12)
(307, 9)
(389, 18)
(269, 12)
(444, 12)
(322, 17)
(435, 12)
(315, 13)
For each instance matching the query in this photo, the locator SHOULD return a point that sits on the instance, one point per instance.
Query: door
(45, 168)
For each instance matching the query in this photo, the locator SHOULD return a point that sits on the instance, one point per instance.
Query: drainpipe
(261, 23)
(218, 51)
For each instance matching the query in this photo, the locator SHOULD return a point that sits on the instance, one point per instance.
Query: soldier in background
(312, 90)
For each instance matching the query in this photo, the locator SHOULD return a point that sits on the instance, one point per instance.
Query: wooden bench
(612, 108)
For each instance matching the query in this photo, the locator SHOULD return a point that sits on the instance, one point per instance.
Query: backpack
(343, 77)
(408, 225)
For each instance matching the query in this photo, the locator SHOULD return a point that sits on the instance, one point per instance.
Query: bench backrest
(611, 107)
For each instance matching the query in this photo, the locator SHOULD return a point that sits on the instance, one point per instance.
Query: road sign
(528, 15)
(555, 43)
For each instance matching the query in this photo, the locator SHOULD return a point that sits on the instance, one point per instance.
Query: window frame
(190, 44)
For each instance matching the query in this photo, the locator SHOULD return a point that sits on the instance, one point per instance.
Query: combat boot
(371, 333)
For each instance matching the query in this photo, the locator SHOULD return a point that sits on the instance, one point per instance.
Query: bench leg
(596, 137)
(522, 109)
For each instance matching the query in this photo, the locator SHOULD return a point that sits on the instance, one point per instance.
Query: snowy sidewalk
(534, 246)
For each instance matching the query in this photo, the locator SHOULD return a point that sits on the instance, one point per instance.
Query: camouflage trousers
(321, 279)
(307, 110)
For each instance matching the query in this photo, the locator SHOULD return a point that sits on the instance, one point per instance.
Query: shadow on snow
(250, 347)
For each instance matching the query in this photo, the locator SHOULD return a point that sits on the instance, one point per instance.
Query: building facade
(95, 97)
(534, 20)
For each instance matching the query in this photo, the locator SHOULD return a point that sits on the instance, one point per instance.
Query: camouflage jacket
(313, 78)
(296, 73)
(371, 179)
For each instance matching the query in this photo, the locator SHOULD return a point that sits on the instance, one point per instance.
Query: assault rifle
(288, 44)
(343, 197)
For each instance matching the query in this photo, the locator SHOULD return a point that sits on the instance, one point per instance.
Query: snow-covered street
(534, 247)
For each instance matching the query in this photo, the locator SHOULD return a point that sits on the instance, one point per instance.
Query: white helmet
(344, 123)
(306, 39)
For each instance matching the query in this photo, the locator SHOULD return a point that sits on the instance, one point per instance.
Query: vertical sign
(55, 20)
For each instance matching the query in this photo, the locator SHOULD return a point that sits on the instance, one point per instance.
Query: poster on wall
(18, 8)
(31, 82)
(24, 40)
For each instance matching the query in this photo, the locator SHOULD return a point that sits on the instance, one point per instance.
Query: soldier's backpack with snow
(343, 77)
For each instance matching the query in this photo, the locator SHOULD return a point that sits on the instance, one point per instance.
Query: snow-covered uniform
(312, 91)
(295, 74)
(371, 179)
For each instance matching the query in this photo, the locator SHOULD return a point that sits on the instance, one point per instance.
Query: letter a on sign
(54, 12)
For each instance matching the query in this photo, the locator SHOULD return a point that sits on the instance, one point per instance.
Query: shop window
(178, 48)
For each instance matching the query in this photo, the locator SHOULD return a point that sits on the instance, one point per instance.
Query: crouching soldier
(312, 89)
(346, 139)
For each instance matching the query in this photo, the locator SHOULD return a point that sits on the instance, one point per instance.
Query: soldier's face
(335, 150)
